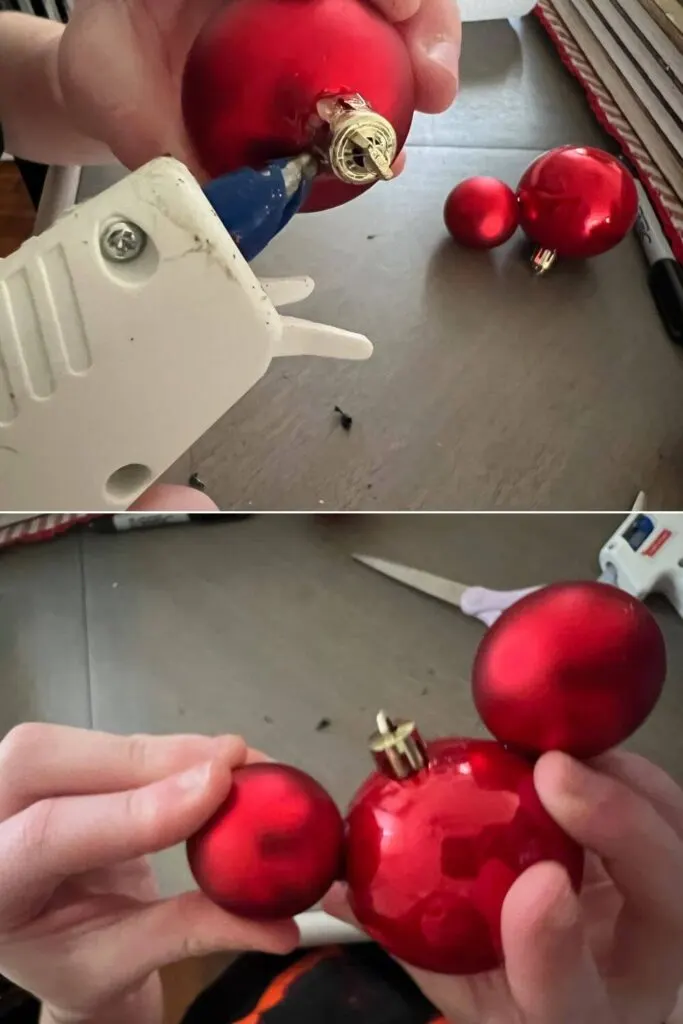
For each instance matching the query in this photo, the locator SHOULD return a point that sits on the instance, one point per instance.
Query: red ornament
(577, 202)
(274, 78)
(275, 846)
(431, 856)
(481, 213)
(576, 667)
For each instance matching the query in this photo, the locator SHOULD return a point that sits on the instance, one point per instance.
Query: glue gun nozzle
(299, 169)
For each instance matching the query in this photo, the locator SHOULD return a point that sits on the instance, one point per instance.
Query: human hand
(173, 498)
(612, 956)
(121, 64)
(81, 923)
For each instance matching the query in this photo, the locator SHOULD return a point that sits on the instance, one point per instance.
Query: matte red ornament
(576, 667)
(275, 846)
(431, 856)
(576, 202)
(481, 213)
(259, 72)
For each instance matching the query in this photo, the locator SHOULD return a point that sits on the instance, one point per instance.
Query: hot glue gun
(645, 555)
(133, 322)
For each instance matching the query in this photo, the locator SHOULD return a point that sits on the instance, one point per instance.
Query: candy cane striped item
(40, 528)
(619, 113)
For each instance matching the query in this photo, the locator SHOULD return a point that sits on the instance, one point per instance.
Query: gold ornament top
(398, 748)
(362, 144)
(542, 260)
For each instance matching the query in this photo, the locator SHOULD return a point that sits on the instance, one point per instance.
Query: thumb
(551, 973)
(189, 926)
(336, 904)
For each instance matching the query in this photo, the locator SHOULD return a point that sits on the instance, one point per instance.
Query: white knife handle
(488, 605)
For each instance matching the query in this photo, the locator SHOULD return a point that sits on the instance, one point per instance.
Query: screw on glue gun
(255, 205)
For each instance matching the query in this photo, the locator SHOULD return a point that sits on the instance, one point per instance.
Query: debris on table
(344, 418)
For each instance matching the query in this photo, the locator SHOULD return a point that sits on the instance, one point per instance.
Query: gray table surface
(489, 389)
(267, 626)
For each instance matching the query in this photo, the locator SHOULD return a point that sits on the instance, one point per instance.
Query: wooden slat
(669, 16)
(16, 211)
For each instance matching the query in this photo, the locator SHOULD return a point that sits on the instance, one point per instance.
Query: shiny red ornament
(258, 71)
(481, 213)
(576, 667)
(275, 846)
(577, 201)
(431, 857)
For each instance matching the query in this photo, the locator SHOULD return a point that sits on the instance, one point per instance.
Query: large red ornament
(275, 846)
(435, 839)
(576, 202)
(576, 667)
(273, 78)
(481, 213)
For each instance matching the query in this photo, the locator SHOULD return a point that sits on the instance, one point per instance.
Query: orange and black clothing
(356, 984)
(333, 985)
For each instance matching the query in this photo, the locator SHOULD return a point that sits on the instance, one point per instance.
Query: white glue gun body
(645, 556)
(127, 329)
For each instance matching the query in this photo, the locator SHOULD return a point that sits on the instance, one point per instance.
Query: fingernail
(195, 779)
(445, 53)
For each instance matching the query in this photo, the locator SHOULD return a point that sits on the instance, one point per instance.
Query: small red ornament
(481, 213)
(436, 838)
(576, 667)
(275, 78)
(576, 202)
(275, 846)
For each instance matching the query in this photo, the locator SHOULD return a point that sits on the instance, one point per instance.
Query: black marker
(124, 521)
(665, 275)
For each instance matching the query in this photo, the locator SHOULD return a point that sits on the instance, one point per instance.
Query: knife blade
(448, 591)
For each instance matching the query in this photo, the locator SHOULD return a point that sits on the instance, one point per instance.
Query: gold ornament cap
(542, 260)
(362, 144)
(397, 747)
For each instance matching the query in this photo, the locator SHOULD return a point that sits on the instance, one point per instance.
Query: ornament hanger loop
(385, 726)
(542, 260)
(397, 747)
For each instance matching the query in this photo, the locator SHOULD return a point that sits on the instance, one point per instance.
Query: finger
(336, 904)
(397, 10)
(55, 839)
(168, 931)
(189, 926)
(432, 36)
(551, 973)
(174, 498)
(43, 761)
(256, 756)
(642, 854)
(646, 779)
